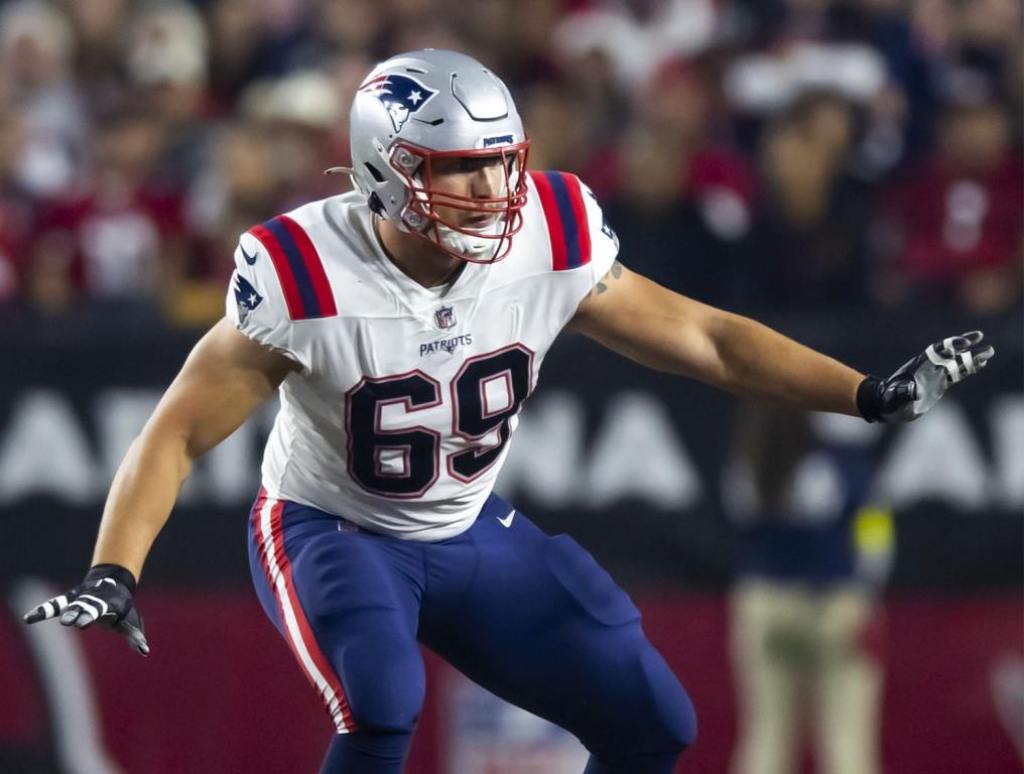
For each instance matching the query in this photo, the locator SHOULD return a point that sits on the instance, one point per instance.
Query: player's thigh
(348, 609)
(546, 628)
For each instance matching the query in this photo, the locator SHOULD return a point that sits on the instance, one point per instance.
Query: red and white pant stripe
(267, 523)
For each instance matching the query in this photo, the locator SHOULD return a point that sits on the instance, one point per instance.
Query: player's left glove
(106, 595)
(921, 381)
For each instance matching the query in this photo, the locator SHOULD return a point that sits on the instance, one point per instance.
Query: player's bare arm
(669, 332)
(225, 378)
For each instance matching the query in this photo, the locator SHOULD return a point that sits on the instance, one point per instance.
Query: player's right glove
(919, 383)
(106, 595)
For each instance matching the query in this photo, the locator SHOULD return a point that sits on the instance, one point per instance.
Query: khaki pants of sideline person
(800, 663)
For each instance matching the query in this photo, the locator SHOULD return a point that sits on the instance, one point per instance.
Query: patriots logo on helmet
(400, 95)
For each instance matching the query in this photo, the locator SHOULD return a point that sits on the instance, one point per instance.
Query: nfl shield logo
(444, 317)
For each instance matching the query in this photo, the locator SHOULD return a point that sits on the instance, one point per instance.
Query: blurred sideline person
(404, 325)
(805, 630)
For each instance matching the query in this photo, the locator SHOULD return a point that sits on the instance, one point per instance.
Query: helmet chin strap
(476, 248)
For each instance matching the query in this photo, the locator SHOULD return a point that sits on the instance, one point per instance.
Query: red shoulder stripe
(561, 196)
(579, 211)
(314, 266)
(284, 274)
(554, 219)
(307, 290)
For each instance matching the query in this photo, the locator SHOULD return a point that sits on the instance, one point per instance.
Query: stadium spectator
(37, 44)
(329, 29)
(302, 115)
(956, 225)
(806, 637)
(561, 133)
(777, 198)
(638, 38)
(680, 201)
(16, 210)
(807, 247)
(240, 28)
(166, 64)
(99, 73)
(120, 237)
(237, 189)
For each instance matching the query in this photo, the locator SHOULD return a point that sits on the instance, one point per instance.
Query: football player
(403, 326)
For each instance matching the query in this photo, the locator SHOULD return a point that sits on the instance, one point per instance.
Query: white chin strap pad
(477, 248)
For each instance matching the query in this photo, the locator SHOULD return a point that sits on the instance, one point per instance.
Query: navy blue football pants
(530, 617)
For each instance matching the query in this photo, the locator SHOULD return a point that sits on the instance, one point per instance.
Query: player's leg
(536, 621)
(765, 634)
(347, 604)
(849, 686)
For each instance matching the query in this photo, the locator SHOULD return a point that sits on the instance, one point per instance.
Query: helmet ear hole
(375, 204)
(374, 172)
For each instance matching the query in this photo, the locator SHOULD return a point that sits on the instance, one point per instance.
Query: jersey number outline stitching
(419, 447)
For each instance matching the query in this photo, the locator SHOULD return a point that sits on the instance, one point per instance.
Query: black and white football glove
(921, 381)
(106, 595)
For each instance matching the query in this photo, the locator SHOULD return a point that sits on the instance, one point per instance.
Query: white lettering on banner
(120, 416)
(545, 458)
(1007, 423)
(936, 458)
(817, 490)
(230, 469)
(229, 473)
(845, 430)
(638, 454)
(815, 495)
(225, 474)
(43, 451)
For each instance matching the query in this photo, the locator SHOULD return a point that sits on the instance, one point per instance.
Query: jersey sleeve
(582, 242)
(255, 303)
(278, 287)
(604, 242)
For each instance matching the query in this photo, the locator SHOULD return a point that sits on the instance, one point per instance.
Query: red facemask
(416, 166)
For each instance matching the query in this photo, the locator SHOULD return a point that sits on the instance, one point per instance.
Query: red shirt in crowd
(954, 223)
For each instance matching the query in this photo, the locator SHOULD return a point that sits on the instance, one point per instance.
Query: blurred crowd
(795, 154)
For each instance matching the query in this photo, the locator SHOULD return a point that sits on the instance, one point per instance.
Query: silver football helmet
(416, 108)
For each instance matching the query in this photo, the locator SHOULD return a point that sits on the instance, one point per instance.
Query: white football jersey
(401, 415)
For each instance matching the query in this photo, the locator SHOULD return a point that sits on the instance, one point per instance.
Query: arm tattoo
(613, 274)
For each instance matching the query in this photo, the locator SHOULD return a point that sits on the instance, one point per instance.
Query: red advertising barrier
(220, 693)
